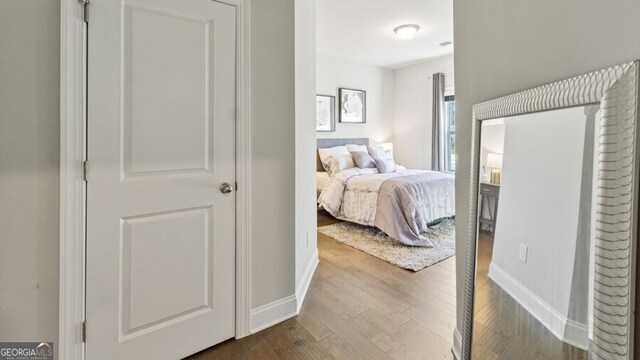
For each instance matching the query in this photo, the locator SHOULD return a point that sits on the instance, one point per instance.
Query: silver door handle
(226, 188)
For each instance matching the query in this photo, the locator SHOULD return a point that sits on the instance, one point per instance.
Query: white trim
(566, 330)
(273, 313)
(303, 287)
(243, 171)
(72, 189)
(457, 344)
(72, 199)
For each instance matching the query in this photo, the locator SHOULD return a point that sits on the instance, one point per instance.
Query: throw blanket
(352, 195)
(407, 204)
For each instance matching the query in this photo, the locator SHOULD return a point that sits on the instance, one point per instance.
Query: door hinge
(85, 168)
(85, 10)
(84, 331)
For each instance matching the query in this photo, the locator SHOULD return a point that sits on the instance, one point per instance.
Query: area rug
(377, 243)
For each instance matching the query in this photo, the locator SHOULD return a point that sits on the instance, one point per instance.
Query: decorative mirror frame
(616, 90)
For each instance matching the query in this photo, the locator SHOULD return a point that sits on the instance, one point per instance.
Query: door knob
(226, 188)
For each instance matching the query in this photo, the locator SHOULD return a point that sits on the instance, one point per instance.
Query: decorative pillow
(353, 148)
(376, 152)
(380, 152)
(386, 165)
(337, 163)
(384, 159)
(326, 154)
(363, 160)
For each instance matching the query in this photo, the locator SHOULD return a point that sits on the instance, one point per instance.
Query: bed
(402, 203)
(321, 180)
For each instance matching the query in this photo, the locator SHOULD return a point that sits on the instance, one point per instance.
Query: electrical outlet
(524, 249)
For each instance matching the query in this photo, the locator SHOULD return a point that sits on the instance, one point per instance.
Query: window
(450, 133)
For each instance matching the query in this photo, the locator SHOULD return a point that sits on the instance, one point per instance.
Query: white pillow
(326, 154)
(353, 148)
(337, 163)
(380, 153)
(386, 166)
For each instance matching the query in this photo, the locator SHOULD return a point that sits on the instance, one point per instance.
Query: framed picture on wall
(353, 106)
(325, 113)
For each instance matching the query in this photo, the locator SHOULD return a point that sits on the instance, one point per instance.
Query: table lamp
(494, 161)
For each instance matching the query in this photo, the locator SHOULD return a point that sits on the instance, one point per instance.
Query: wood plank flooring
(359, 307)
(505, 330)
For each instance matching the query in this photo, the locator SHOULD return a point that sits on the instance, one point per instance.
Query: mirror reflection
(536, 236)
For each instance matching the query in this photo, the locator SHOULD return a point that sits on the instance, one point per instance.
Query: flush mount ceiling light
(406, 32)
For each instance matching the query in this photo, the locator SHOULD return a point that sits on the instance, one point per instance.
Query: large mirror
(552, 232)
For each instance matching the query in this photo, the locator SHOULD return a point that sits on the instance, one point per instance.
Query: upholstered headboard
(327, 143)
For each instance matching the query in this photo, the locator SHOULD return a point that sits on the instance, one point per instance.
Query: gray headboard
(327, 143)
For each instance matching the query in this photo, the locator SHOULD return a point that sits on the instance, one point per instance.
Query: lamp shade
(387, 146)
(494, 160)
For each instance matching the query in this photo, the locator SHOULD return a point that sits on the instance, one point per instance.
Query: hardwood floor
(359, 307)
(505, 330)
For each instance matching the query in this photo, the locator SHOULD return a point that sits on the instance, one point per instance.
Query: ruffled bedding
(401, 203)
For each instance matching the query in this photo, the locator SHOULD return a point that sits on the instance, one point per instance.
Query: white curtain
(438, 153)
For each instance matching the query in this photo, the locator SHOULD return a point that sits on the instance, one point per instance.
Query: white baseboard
(457, 344)
(568, 331)
(272, 313)
(283, 309)
(577, 334)
(301, 291)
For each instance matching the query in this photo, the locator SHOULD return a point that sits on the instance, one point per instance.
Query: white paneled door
(161, 146)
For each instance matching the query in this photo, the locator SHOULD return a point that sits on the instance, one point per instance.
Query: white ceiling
(362, 30)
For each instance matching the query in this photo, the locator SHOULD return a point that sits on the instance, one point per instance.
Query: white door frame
(72, 187)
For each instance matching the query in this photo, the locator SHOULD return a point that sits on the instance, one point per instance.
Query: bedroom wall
(412, 127)
(29, 171)
(306, 214)
(503, 46)
(492, 140)
(333, 73)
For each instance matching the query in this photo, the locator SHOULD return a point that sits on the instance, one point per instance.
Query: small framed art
(353, 106)
(325, 113)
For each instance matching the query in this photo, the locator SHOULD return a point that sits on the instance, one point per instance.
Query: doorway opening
(385, 133)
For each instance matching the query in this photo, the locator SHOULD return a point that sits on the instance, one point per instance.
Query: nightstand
(489, 193)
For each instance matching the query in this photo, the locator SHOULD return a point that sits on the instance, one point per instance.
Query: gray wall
(29, 175)
(273, 151)
(306, 214)
(504, 46)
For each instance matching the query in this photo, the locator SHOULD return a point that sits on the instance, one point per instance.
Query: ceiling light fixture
(406, 32)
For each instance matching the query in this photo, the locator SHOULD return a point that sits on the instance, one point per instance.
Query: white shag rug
(377, 243)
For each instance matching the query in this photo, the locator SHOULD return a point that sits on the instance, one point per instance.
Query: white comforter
(352, 195)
